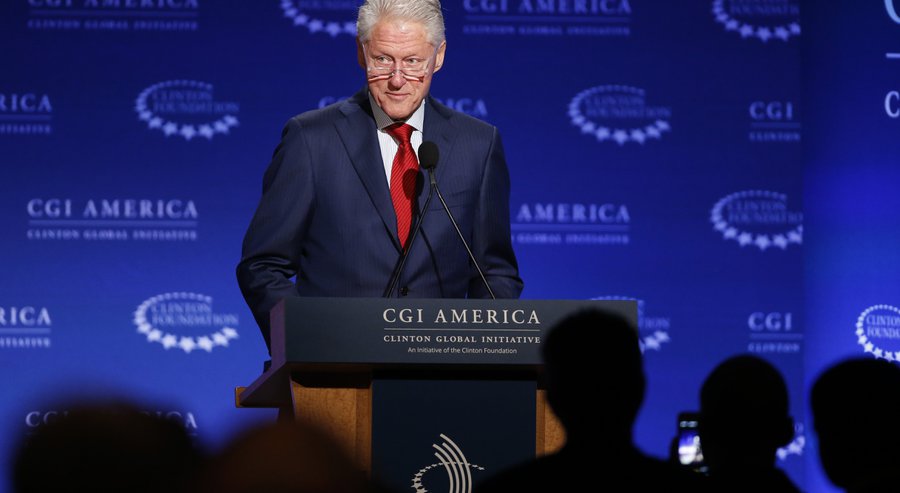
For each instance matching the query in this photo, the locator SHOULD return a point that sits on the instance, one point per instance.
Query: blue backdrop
(654, 149)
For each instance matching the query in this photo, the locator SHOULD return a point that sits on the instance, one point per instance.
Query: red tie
(403, 179)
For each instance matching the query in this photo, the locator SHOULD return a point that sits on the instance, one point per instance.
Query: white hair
(427, 12)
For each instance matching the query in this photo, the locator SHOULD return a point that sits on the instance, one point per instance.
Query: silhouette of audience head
(105, 447)
(594, 355)
(854, 406)
(283, 457)
(743, 415)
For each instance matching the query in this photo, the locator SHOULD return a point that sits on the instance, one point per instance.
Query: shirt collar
(416, 120)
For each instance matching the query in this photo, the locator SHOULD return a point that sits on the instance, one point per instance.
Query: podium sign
(419, 390)
(448, 332)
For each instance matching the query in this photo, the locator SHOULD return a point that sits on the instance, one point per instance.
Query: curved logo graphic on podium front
(620, 114)
(454, 462)
(758, 218)
(764, 20)
(332, 17)
(185, 321)
(878, 331)
(186, 108)
(653, 332)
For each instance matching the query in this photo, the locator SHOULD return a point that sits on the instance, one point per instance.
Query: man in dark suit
(344, 191)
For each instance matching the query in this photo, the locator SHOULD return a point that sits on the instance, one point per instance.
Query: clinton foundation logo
(758, 218)
(619, 114)
(25, 113)
(67, 219)
(545, 18)
(186, 108)
(332, 17)
(773, 121)
(878, 331)
(185, 321)
(653, 330)
(566, 223)
(458, 474)
(113, 15)
(25, 327)
(764, 20)
(795, 448)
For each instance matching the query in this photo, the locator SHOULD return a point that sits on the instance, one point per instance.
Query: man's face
(400, 40)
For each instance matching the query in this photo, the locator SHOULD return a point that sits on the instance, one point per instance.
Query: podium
(338, 362)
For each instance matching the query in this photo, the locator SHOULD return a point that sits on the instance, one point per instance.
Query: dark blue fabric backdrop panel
(133, 143)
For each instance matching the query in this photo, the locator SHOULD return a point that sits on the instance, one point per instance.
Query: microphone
(462, 238)
(428, 158)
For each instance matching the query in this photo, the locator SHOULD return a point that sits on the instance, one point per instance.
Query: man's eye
(382, 59)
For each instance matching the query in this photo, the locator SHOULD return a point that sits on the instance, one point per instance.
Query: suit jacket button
(404, 291)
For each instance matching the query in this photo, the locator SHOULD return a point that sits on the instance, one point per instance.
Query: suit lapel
(358, 133)
(439, 129)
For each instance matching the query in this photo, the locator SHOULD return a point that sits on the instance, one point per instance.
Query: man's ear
(439, 58)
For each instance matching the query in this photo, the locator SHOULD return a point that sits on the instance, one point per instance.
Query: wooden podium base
(346, 414)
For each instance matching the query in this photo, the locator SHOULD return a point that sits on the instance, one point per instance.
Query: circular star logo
(730, 19)
(620, 114)
(878, 332)
(300, 12)
(185, 321)
(185, 108)
(757, 218)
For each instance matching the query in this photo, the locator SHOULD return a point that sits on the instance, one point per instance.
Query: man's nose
(397, 80)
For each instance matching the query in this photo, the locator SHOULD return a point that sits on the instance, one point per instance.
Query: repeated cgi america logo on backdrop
(892, 98)
(118, 15)
(571, 223)
(541, 18)
(36, 418)
(111, 219)
(25, 327)
(773, 332)
(26, 113)
(773, 121)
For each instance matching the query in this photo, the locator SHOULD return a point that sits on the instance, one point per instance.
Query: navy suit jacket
(326, 214)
